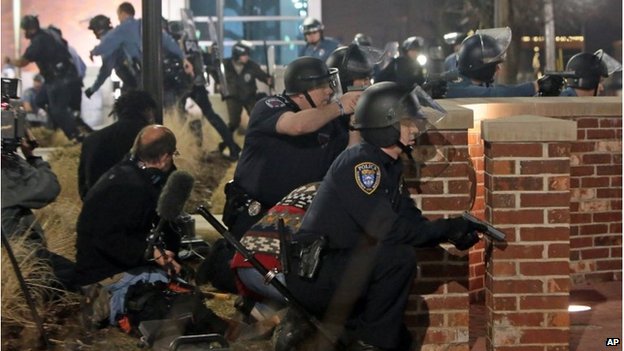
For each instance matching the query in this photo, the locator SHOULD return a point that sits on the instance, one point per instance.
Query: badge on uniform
(274, 102)
(367, 176)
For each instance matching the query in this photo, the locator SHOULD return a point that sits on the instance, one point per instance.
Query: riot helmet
(306, 73)
(311, 25)
(412, 43)
(480, 53)
(176, 29)
(362, 39)
(241, 48)
(353, 62)
(383, 105)
(100, 23)
(589, 68)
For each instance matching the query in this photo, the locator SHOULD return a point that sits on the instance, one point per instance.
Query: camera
(13, 116)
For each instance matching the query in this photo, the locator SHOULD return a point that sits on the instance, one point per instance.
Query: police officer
(62, 83)
(317, 45)
(405, 69)
(369, 225)
(478, 61)
(292, 140)
(362, 39)
(454, 39)
(101, 25)
(241, 73)
(589, 70)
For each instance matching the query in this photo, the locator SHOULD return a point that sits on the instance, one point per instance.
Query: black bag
(159, 300)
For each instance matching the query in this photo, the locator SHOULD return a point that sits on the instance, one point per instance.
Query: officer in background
(405, 69)
(101, 25)
(62, 83)
(317, 45)
(292, 140)
(367, 225)
(35, 114)
(454, 39)
(478, 61)
(589, 70)
(241, 73)
(362, 39)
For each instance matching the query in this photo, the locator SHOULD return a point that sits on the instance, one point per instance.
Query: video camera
(13, 117)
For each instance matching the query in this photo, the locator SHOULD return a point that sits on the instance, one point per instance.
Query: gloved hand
(436, 88)
(88, 92)
(463, 233)
(550, 85)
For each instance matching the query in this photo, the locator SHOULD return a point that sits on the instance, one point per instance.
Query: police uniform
(371, 226)
(568, 91)
(63, 86)
(463, 87)
(321, 50)
(241, 83)
(110, 61)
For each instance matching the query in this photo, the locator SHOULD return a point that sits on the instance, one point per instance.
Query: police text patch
(367, 176)
(274, 102)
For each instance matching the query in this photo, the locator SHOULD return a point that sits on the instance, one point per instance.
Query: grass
(58, 220)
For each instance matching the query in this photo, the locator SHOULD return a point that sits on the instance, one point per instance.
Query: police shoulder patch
(367, 176)
(274, 102)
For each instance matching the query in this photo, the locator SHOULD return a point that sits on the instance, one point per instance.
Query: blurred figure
(406, 69)
(62, 82)
(478, 62)
(31, 101)
(8, 69)
(317, 45)
(454, 39)
(589, 72)
(241, 73)
(102, 149)
(362, 40)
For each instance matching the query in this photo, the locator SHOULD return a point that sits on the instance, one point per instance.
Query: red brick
(583, 146)
(559, 250)
(545, 166)
(452, 203)
(544, 233)
(591, 122)
(518, 320)
(501, 200)
(616, 182)
(559, 183)
(517, 183)
(580, 218)
(580, 134)
(544, 199)
(429, 187)
(545, 336)
(611, 123)
(501, 167)
(503, 269)
(615, 228)
(537, 268)
(609, 193)
(493, 150)
(558, 285)
(559, 150)
(503, 303)
(547, 302)
(517, 286)
(592, 159)
(609, 170)
(558, 216)
(600, 134)
(608, 240)
(446, 138)
(593, 229)
(593, 253)
(595, 182)
(519, 251)
(528, 216)
(447, 302)
(582, 171)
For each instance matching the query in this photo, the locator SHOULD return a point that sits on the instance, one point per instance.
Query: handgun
(491, 231)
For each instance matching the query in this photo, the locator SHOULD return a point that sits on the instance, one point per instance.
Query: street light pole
(152, 54)
(549, 35)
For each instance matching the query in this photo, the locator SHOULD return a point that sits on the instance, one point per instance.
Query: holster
(310, 257)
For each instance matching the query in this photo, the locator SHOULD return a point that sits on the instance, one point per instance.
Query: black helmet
(362, 39)
(99, 22)
(383, 105)
(29, 22)
(351, 63)
(588, 69)
(241, 48)
(176, 29)
(305, 73)
(412, 43)
(480, 53)
(311, 25)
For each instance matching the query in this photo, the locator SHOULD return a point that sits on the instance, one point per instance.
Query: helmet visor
(422, 109)
(612, 64)
(502, 37)
(334, 83)
(390, 52)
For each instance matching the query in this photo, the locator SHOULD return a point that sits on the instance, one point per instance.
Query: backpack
(177, 304)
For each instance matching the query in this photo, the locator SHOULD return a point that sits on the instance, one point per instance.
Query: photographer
(27, 183)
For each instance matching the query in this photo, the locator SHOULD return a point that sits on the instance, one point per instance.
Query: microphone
(173, 196)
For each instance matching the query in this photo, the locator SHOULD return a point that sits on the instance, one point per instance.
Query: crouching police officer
(589, 70)
(367, 226)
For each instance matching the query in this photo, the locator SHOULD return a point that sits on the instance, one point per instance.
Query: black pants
(62, 96)
(235, 108)
(365, 289)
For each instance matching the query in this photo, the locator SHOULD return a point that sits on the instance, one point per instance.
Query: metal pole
(220, 6)
(152, 53)
(549, 35)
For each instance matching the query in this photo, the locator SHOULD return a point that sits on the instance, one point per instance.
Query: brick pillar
(527, 195)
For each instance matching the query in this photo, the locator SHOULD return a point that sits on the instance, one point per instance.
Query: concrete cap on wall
(528, 128)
